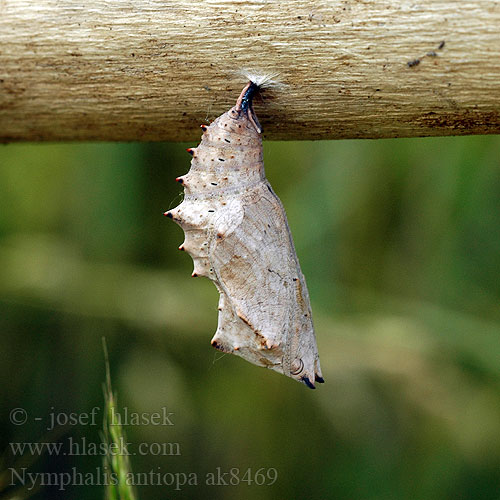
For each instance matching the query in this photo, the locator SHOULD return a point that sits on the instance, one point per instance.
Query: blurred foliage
(116, 461)
(400, 243)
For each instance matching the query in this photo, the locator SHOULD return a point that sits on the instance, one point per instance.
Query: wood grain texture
(155, 69)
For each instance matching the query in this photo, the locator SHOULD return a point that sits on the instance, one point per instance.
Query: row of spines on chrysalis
(199, 180)
(196, 245)
(222, 160)
(191, 221)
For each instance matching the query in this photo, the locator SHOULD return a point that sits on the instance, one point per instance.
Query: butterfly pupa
(237, 233)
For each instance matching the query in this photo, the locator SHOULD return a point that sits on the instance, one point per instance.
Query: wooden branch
(155, 70)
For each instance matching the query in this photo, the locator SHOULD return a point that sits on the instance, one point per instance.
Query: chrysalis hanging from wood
(237, 233)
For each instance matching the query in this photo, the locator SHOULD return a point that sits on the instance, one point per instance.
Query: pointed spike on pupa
(180, 180)
(186, 247)
(174, 214)
(220, 346)
(318, 376)
(201, 266)
(215, 343)
(191, 151)
(204, 128)
(306, 381)
(195, 242)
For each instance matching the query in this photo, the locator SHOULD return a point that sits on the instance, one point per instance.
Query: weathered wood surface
(155, 69)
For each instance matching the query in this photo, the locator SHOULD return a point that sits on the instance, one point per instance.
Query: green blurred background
(399, 241)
